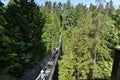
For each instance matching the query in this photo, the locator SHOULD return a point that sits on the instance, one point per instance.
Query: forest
(29, 32)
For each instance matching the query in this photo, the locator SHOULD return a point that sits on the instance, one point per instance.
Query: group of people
(42, 75)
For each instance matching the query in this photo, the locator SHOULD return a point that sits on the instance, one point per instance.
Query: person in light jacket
(41, 76)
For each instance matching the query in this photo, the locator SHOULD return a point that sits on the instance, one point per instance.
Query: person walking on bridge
(41, 76)
(55, 51)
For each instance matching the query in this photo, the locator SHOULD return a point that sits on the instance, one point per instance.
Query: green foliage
(29, 32)
(67, 68)
(69, 19)
(91, 44)
(20, 38)
(51, 30)
(7, 77)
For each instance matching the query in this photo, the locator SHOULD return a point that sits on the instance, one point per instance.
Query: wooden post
(116, 65)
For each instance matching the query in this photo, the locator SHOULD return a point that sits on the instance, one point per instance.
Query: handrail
(44, 64)
(50, 74)
(49, 68)
(36, 70)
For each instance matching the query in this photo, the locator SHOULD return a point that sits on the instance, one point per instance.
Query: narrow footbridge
(48, 64)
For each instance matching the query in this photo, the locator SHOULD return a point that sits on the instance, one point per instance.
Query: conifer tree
(1, 5)
(68, 15)
(100, 44)
(87, 46)
(51, 31)
(22, 43)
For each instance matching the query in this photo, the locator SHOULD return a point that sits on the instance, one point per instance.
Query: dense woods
(28, 32)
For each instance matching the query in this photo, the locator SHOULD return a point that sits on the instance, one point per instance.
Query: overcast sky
(73, 2)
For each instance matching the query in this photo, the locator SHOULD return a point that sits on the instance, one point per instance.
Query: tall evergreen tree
(115, 16)
(68, 15)
(1, 5)
(109, 8)
(88, 46)
(51, 30)
(22, 43)
(99, 48)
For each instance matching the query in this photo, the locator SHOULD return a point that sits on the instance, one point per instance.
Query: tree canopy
(29, 32)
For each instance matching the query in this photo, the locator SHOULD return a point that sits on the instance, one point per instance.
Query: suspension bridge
(49, 64)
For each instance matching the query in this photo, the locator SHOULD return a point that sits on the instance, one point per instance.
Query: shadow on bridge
(36, 70)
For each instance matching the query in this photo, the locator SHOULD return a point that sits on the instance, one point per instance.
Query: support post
(116, 65)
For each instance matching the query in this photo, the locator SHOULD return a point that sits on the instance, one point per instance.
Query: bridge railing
(36, 70)
(44, 64)
(50, 68)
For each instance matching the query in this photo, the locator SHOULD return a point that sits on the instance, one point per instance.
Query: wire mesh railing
(48, 64)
